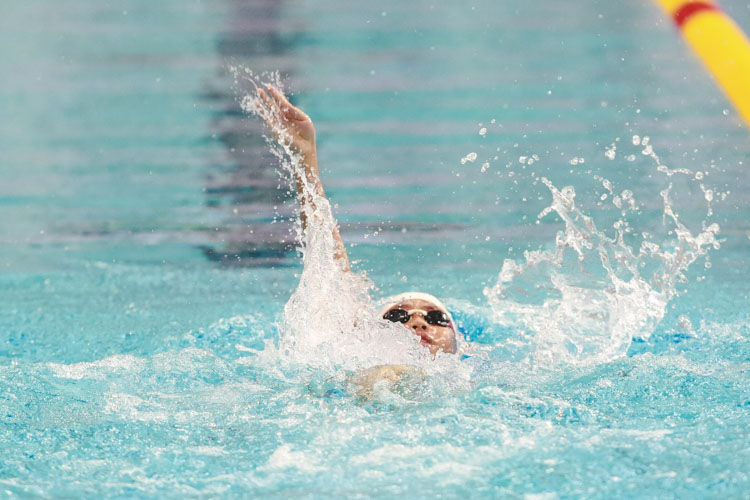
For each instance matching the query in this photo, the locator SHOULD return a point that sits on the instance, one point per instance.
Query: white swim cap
(403, 297)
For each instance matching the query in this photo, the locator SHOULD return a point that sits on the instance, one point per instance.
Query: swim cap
(403, 297)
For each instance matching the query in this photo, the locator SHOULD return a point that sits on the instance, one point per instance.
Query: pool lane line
(720, 43)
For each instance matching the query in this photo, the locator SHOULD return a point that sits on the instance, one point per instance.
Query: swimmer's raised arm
(278, 114)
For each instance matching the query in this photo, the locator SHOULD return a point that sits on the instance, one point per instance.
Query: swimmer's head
(423, 315)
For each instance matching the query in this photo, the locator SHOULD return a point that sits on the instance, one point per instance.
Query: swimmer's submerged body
(422, 314)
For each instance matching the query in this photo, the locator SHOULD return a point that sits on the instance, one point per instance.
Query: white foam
(284, 458)
(98, 369)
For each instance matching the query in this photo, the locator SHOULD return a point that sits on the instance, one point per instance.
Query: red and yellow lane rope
(720, 43)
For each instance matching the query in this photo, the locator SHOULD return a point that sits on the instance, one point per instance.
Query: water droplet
(577, 160)
(471, 157)
(685, 322)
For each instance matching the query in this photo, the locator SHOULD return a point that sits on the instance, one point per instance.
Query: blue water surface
(146, 248)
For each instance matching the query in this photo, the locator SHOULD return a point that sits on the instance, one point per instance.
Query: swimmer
(423, 314)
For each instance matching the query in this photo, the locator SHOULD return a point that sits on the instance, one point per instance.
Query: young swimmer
(423, 314)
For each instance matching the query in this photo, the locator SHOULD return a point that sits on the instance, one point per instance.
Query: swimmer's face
(434, 337)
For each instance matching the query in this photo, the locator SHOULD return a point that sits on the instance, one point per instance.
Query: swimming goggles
(434, 317)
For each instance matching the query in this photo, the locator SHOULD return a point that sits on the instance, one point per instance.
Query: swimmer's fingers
(279, 98)
(269, 111)
(272, 111)
(289, 111)
(288, 123)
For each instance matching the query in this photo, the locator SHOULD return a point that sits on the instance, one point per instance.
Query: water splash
(329, 322)
(583, 301)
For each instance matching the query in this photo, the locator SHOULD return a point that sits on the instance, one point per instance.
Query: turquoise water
(146, 252)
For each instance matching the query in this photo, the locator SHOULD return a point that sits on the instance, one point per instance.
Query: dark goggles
(435, 317)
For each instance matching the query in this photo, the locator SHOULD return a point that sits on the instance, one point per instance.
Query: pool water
(148, 252)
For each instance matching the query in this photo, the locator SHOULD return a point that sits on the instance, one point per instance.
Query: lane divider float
(720, 43)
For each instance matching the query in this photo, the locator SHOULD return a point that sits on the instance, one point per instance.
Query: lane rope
(690, 9)
(719, 43)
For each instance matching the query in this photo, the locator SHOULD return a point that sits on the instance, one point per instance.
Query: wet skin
(434, 337)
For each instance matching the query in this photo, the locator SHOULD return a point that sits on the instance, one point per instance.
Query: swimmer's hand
(280, 115)
(291, 126)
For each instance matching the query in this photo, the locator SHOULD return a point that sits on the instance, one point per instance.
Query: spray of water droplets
(329, 322)
(583, 301)
(580, 302)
